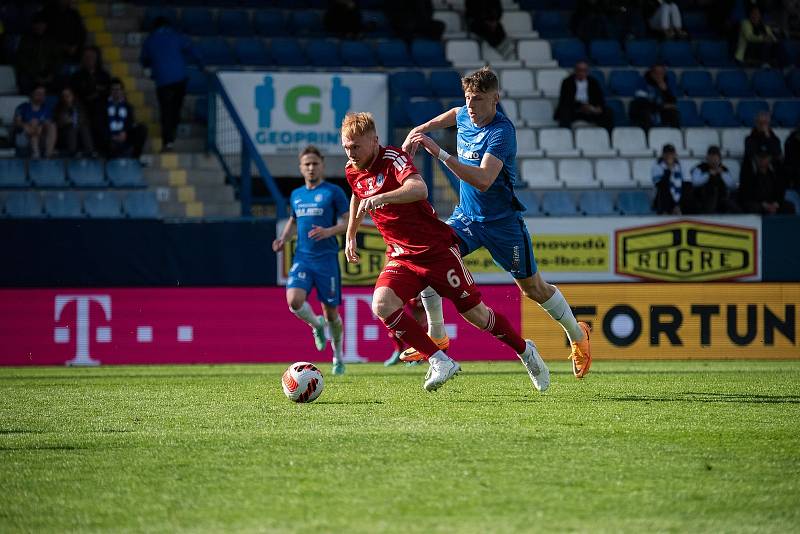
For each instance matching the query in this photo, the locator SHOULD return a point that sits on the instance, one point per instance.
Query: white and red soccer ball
(302, 382)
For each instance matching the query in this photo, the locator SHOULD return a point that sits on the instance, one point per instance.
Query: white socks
(433, 309)
(306, 314)
(335, 328)
(557, 307)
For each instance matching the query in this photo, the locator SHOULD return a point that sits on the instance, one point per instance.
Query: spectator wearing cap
(762, 139)
(762, 188)
(582, 98)
(713, 185)
(33, 124)
(125, 137)
(674, 191)
(38, 57)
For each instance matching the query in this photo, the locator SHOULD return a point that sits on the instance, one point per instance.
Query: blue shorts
(321, 273)
(507, 240)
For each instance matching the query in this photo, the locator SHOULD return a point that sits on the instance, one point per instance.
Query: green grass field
(635, 447)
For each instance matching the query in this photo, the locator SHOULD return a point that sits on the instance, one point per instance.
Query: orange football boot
(581, 355)
(413, 355)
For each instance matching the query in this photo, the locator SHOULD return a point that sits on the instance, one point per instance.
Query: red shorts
(444, 272)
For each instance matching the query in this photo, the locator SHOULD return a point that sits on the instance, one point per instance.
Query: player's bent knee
(477, 316)
(385, 302)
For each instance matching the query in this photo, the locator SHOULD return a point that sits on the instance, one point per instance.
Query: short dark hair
(668, 149)
(482, 80)
(160, 21)
(311, 149)
(116, 81)
(713, 150)
(38, 86)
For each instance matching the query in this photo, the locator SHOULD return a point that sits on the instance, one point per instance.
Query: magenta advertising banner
(205, 325)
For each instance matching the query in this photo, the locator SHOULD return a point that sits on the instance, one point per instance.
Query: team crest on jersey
(318, 197)
(379, 180)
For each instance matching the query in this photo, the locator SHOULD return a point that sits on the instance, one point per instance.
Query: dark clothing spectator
(414, 20)
(791, 162)
(165, 52)
(92, 84)
(713, 186)
(654, 104)
(38, 58)
(65, 27)
(344, 19)
(762, 139)
(581, 98)
(483, 19)
(674, 190)
(125, 137)
(762, 188)
(73, 124)
(757, 44)
(590, 20)
(33, 126)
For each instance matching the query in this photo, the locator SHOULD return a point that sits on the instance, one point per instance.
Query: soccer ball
(302, 382)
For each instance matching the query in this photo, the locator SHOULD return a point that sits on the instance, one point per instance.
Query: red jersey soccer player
(421, 251)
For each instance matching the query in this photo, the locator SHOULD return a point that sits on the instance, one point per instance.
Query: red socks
(500, 328)
(408, 330)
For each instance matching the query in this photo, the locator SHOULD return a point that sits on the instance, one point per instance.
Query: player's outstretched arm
(287, 232)
(353, 222)
(445, 120)
(481, 177)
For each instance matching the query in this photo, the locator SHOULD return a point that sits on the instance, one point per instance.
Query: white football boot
(440, 371)
(537, 369)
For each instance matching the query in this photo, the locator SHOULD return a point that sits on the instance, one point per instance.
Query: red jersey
(410, 230)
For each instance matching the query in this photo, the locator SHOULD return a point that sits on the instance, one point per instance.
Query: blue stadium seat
(234, 22)
(409, 83)
(600, 76)
(428, 53)
(558, 203)
(695, 24)
(305, 22)
(394, 53)
(86, 173)
(551, 24)
(793, 81)
(125, 172)
(747, 110)
(634, 203)
(568, 52)
(423, 110)
(689, 116)
(198, 21)
(141, 205)
(624, 82)
(677, 54)
(154, 12)
(12, 173)
(252, 51)
(770, 84)
(618, 109)
(459, 102)
(287, 52)
(719, 114)
(734, 84)
(270, 23)
(378, 23)
(446, 84)
(714, 54)
(597, 203)
(63, 204)
(215, 51)
(787, 113)
(21, 204)
(792, 51)
(794, 197)
(698, 83)
(607, 52)
(102, 205)
(358, 54)
(47, 173)
(197, 83)
(530, 200)
(324, 52)
(642, 53)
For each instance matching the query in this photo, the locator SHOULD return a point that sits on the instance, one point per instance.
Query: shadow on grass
(350, 402)
(745, 398)
(4, 448)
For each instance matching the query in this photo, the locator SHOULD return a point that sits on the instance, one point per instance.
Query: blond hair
(358, 124)
(482, 80)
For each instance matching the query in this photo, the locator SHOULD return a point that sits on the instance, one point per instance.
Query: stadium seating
(125, 172)
(624, 82)
(594, 142)
(698, 83)
(197, 83)
(393, 53)
(540, 174)
(558, 203)
(734, 84)
(747, 110)
(607, 52)
(770, 84)
(558, 143)
(13, 173)
(631, 142)
(423, 110)
(527, 145)
(452, 22)
(509, 108)
(530, 199)
(536, 53)
(23, 204)
(154, 12)
(793, 80)
(141, 205)
(86, 173)
(642, 53)
(718, 113)
(536, 112)
(62, 204)
(634, 203)
(465, 53)
(595, 203)
(618, 110)
(699, 139)
(640, 171)
(358, 54)
(270, 23)
(518, 24)
(567, 52)
(287, 52)
(614, 173)
(714, 54)
(689, 116)
(548, 81)
(252, 51)
(47, 173)
(234, 22)
(215, 51)
(551, 24)
(786, 113)
(794, 197)
(517, 82)
(8, 80)
(198, 21)
(409, 83)
(733, 141)
(306, 22)
(577, 174)
(446, 84)
(658, 137)
(677, 54)
(429, 53)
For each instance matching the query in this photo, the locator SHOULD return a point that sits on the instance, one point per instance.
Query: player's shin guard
(407, 329)
(557, 308)
(433, 309)
(307, 315)
(335, 328)
(501, 328)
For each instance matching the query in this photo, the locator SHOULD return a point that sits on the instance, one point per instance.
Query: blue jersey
(498, 138)
(321, 206)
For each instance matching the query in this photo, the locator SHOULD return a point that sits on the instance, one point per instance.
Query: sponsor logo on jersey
(309, 212)
(469, 154)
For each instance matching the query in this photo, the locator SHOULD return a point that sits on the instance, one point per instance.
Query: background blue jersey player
(319, 212)
(489, 214)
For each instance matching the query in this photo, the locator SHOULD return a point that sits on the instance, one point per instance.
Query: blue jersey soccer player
(319, 211)
(489, 214)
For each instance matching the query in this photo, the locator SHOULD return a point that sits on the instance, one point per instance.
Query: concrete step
(228, 209)
(178, 177)
(213, 194)
(192, 144)
(177, 209)
(197, 160)
(117, 25)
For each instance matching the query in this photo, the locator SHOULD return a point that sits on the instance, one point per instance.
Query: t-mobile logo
(61, 334)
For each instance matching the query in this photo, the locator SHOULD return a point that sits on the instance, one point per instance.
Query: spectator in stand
(758, 45)
(581, 98)
(414, 20)
(791, 162)
(125, 137)
(92, 83)
(790, 19)
(654, 104)
(674, 191)
(763, 139)
(165, 52)
(73, 124)
(65, 27)
(665, 19)
(33, 125)
(590, 20)
(762, 188)
(38, 58)
(483, 19)
(713, 185)
(343, 18)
